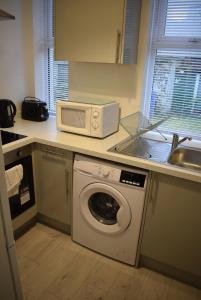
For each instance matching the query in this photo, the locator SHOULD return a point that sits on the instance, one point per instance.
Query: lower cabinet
(53, 168)
(172, 232)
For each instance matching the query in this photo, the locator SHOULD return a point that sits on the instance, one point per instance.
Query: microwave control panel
(95, 114)
(95, 120)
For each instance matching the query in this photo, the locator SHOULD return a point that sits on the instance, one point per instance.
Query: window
(51, 77)
(57, 70)
(174, 87)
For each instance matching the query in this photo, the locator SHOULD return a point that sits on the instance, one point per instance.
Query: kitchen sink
(144, 148)
(186, 157)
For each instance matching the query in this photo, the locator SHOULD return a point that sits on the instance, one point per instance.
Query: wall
(16, 51)
(108, 81)
(124, 83)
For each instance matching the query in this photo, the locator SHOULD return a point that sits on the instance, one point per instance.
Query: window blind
(183, 18)
(57, 70)
(175, 84)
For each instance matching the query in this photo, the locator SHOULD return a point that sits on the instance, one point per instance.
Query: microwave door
(76, 118)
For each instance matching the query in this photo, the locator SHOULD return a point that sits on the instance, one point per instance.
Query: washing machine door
(104, 208)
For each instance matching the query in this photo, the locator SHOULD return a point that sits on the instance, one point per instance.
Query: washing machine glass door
(104, 208)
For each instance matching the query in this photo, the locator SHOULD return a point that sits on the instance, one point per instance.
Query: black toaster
(34, 109)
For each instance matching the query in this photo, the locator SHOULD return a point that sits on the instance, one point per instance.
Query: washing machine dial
(105, 172)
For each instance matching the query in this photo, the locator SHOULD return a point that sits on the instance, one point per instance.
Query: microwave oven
(96, 118)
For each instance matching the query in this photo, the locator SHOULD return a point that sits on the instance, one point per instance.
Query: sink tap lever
(176, 141)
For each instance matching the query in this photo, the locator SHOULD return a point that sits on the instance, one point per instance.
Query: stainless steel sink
(186, 157)
(144, 148)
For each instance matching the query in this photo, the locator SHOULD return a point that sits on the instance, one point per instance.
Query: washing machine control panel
(131, 178)
(109, 173)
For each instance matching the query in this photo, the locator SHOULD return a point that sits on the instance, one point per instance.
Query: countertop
(47, 133)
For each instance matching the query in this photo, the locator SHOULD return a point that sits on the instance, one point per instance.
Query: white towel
(13, 178)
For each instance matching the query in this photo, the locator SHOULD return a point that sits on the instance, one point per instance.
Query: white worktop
(46, 133)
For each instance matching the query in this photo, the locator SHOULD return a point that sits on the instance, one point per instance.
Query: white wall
(16, 52)
(123, 83)
(106, 81)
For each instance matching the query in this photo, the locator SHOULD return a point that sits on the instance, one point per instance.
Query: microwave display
(73, 117)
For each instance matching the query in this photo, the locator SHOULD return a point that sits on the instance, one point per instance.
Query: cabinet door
(172, 233)
(54, 180)
(89, 30)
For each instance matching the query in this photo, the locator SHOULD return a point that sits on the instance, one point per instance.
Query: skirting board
(43, 220)
(25, 227)
(53, 223)
(167, 270)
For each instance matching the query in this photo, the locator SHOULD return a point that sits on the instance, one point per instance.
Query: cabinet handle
(154, 190)
(67, 181)
(149, 187)
(118, 41)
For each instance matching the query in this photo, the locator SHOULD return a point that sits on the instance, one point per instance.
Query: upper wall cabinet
(103, 31)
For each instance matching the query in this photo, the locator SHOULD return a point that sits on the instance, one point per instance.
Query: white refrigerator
(10, 287)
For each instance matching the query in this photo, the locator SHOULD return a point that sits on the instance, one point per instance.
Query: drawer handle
(53, 152)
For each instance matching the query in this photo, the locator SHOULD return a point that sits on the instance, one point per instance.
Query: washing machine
(108, 201)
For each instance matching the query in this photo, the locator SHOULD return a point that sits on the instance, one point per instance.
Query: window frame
(40, 49)
(157, 40)
(43, 42)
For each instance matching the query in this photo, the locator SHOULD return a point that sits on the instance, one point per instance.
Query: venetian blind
(183, 18)
(176, 59)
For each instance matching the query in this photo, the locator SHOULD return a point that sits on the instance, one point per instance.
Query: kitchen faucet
(176, 141)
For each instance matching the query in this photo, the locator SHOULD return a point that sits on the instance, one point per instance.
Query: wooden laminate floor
(52, 267)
